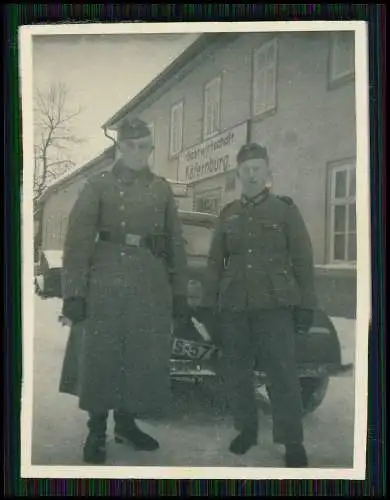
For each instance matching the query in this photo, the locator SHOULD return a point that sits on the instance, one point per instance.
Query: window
(208, 202)
(342, 213)
(342, 56)
(264, 78)
(151, 157)
(176, 132)
(212, 108)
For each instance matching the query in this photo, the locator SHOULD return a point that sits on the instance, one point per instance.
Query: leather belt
(156, 243)
(129, 239)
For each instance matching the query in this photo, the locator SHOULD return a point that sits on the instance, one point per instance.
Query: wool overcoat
(118, 357)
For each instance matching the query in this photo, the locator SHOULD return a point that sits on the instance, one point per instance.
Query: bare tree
(53, 137)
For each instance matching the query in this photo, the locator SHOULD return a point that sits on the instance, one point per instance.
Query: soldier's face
(254, 175)
(135, 152)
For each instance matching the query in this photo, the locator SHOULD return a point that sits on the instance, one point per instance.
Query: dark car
(47, 274)
(196, 359)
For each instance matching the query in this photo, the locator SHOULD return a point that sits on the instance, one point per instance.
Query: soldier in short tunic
(261, 284)
(124, 277)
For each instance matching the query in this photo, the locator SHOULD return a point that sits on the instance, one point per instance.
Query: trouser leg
(123, 420)
(277, 345)
(126, 430)
(97, 423)
(238, 370)
(94, 451)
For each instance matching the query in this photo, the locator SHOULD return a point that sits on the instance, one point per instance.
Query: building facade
(58, 200)
(51, 218)
(293, 93)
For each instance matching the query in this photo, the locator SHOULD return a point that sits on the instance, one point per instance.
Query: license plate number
(190, 350)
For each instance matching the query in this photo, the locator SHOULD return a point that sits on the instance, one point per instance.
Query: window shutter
(270, 86)
(215, 117)
(212, 107)
(152, 132)
(260, 92)
(264, 78)
(179, 135)
(173, 131)
(176, 132)
(343, 56)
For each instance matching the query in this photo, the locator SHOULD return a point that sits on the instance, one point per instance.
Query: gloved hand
(303, 320)
(157, 244)
(74, 309)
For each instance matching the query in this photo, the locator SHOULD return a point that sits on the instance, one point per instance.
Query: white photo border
(358, 471)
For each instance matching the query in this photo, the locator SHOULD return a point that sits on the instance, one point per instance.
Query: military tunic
(118, 357)
(260, 266)
(260, 257)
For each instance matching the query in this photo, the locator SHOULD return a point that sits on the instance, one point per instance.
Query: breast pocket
(274, 236)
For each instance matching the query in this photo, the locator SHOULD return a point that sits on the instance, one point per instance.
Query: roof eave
(180, 62)
(63, 181)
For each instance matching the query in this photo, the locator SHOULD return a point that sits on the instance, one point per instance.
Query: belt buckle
(132, 240)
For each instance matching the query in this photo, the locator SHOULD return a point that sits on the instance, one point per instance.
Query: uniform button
(123, 254)
(250, 219)
(122, 207)
(123, 223)
(249, 266)
(250, 250)
(121, 193)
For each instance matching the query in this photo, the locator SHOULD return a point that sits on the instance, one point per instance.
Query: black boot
(94, 451)
(295, 456)
(244, 441)
(127, 431)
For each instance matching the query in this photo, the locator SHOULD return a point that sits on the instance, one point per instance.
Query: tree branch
(53, 132)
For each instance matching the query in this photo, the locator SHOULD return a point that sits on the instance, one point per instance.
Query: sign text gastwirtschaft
(212, 157)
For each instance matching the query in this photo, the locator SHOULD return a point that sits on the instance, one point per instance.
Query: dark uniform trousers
(265, 335)
(97, 422)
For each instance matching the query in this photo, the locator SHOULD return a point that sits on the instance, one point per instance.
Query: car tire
(313, 392)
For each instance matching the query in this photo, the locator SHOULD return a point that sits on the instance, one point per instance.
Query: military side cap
(251, 151)
(133, 129)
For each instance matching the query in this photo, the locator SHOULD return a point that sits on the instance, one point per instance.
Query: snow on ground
(197, 435)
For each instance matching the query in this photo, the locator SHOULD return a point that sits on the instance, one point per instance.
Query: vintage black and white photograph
(196, 274)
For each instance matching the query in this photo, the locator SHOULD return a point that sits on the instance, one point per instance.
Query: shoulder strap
(286, 199)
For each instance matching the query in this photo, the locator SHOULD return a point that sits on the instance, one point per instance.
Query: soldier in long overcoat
(261, 286)
(124, 279)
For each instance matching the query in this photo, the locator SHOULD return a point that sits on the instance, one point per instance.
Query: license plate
(191, 350)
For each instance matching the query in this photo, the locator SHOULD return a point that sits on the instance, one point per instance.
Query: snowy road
(197, 435)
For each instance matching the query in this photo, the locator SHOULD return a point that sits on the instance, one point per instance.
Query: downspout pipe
(108, 136)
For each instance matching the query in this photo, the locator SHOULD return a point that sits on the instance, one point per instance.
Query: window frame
(174, 153)
(256, 110)
(211, 193)
(152, 128)
(334, 79)
(347, 165)
(215, 80)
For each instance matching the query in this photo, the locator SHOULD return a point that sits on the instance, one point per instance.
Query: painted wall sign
(212, 157)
